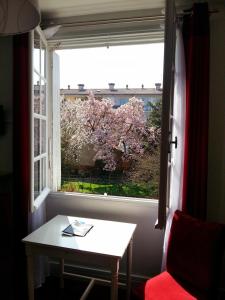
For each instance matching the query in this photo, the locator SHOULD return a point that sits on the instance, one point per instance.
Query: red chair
(194, 258)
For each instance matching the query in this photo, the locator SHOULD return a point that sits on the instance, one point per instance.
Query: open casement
(123, 29)
(55, 137)
(167, 111)
(39, 118)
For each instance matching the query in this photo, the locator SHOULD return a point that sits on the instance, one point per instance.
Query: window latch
(174, 142)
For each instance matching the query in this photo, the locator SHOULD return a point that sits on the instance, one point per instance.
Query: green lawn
(116, 189)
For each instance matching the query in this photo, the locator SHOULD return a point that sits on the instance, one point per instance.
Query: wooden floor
(73, 290)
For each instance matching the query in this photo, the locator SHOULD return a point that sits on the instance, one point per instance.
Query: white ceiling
(57, 9)
(69, 8)
(81, 18)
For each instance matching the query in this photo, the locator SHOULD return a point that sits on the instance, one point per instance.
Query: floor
(73, 290)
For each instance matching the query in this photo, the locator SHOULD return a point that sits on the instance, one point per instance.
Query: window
(79, 35)
(39, 121)
(119, 154)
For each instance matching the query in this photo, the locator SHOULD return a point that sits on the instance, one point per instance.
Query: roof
(108, 92)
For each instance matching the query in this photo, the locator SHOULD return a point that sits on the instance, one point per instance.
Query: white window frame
(167, 111)
(43, 192)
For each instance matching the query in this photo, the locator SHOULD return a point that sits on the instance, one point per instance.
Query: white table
(104, 244)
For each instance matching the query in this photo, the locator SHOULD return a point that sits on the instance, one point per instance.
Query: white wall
(216, 162)
(147, 251)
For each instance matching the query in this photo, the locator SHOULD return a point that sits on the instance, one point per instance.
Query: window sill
(107, 198)
(40, 199)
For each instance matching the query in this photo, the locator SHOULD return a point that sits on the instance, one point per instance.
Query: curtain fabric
(21, 160)
(177, 155)
(196, 44)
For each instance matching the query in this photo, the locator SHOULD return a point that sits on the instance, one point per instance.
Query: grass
(115, 189)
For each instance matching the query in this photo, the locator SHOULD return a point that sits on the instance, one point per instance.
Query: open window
(127, 32)
(110, 133)
(83, 33)
(39, 120)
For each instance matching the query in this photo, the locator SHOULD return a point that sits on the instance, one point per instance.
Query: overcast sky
(96, 67)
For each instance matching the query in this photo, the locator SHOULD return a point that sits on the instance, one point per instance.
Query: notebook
(77, 227)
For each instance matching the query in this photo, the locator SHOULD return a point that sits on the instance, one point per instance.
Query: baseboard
(93, 272)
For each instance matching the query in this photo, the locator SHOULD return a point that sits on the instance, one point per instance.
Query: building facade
(119, 96)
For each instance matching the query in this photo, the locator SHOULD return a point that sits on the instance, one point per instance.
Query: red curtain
(21, 159)
(196, 44)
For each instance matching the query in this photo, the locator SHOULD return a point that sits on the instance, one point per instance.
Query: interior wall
(216, 158)
(6, 165)
(147, 247)
(6, 100)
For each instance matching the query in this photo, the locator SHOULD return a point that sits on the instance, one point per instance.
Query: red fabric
(165, 287)
(195, 252)
(196, 45)
(21, 159)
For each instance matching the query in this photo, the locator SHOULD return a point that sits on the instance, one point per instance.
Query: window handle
(174, 142)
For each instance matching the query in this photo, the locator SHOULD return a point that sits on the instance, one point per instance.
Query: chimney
(142, 86)
(157, 86)
(127, 86)
(112, 86)
(81, 87)
(68, 87)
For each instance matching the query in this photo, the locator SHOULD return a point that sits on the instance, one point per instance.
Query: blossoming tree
(108, 130)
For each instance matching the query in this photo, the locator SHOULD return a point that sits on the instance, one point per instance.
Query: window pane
(36, 93)
(43, 173)
(36, 137)
(43, 58)
(43, 136)
(36, 179)
(43, 98)
(36, 53)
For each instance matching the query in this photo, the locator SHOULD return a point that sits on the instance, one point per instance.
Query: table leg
(61, 273)
(129, 266)
(30, 276)
(114, 283)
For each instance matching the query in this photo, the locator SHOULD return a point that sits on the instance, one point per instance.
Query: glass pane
(43, 173)
(43, 136)
(36, 179)
(43, 58)
(36, 80)
(36, 54)
(36, 137)
(43, 98)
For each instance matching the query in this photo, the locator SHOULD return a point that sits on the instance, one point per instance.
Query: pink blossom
(96, 122)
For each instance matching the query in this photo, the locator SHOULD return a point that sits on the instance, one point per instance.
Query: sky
(131, 65)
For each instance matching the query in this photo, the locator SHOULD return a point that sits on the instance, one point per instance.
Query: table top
(106, 237)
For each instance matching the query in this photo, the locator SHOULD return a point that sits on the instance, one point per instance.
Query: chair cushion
(195, 250)
(165, 287)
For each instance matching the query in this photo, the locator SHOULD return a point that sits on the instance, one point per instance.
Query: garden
(110, 151)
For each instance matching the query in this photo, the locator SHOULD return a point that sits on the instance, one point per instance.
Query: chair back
(195, 251)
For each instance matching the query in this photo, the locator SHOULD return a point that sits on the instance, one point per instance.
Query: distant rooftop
(131, 91)
(112, 90)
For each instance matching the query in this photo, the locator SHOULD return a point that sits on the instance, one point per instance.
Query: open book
(79, 228)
